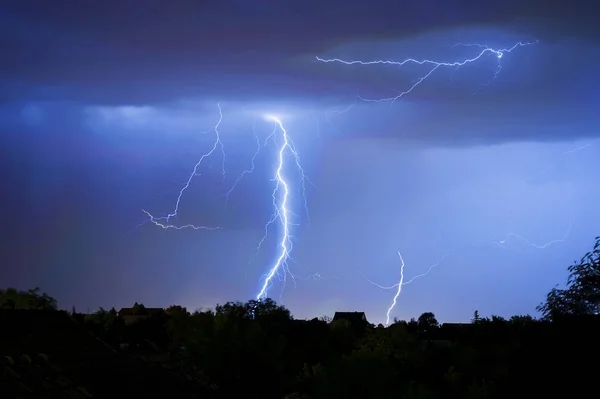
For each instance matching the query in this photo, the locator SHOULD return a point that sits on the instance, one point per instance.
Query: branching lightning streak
(498, 66)
(499, 53)
(252, 166)
(164, 221)
(281, 209)
(167, 225)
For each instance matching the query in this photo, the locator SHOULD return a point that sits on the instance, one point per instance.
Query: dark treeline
(257, 348)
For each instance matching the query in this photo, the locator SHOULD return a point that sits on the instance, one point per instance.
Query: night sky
(106, 106)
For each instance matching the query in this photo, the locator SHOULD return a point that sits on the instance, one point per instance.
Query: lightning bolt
(164, 222)
(401, 283)
(398, 291)
(282, 213)
(435, 65)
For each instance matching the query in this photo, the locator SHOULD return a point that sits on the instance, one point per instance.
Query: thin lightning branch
(252, 166)
(498, 65)
(330, 113)
(583, 147)
(295, 277)
(498, 53)
(164, 221)
(282, 213)
(163, 225)
(314, 276)
(271, 136)
(564, 158)
(503, 243)
(303, 179)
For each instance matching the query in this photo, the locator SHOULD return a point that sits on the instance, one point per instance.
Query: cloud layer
(121, 54)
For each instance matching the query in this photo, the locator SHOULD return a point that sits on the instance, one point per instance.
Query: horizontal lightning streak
(503, 243)
(499, 53)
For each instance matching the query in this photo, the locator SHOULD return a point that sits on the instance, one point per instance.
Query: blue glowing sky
(105, 108)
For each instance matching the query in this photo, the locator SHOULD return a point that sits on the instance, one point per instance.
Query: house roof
(350, 316)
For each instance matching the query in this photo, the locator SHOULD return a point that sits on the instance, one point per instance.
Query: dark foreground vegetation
(257, 350)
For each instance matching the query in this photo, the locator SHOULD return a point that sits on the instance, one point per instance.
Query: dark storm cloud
(165, 49)
(120, 52)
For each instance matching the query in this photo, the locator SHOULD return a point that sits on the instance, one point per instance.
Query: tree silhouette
(106, 324)
(582, 294)
(12, 298)
(241, 343)
(427, 323)
(179, 327)
(257, 346)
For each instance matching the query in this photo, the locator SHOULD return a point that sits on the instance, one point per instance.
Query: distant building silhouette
(138, 313)
(354, 318)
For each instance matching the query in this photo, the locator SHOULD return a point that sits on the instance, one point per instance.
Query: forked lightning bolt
(165, 221)
(281, 196)
(281, 208)
(485, 50)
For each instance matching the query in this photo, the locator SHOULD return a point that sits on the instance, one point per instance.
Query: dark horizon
(484, 177)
